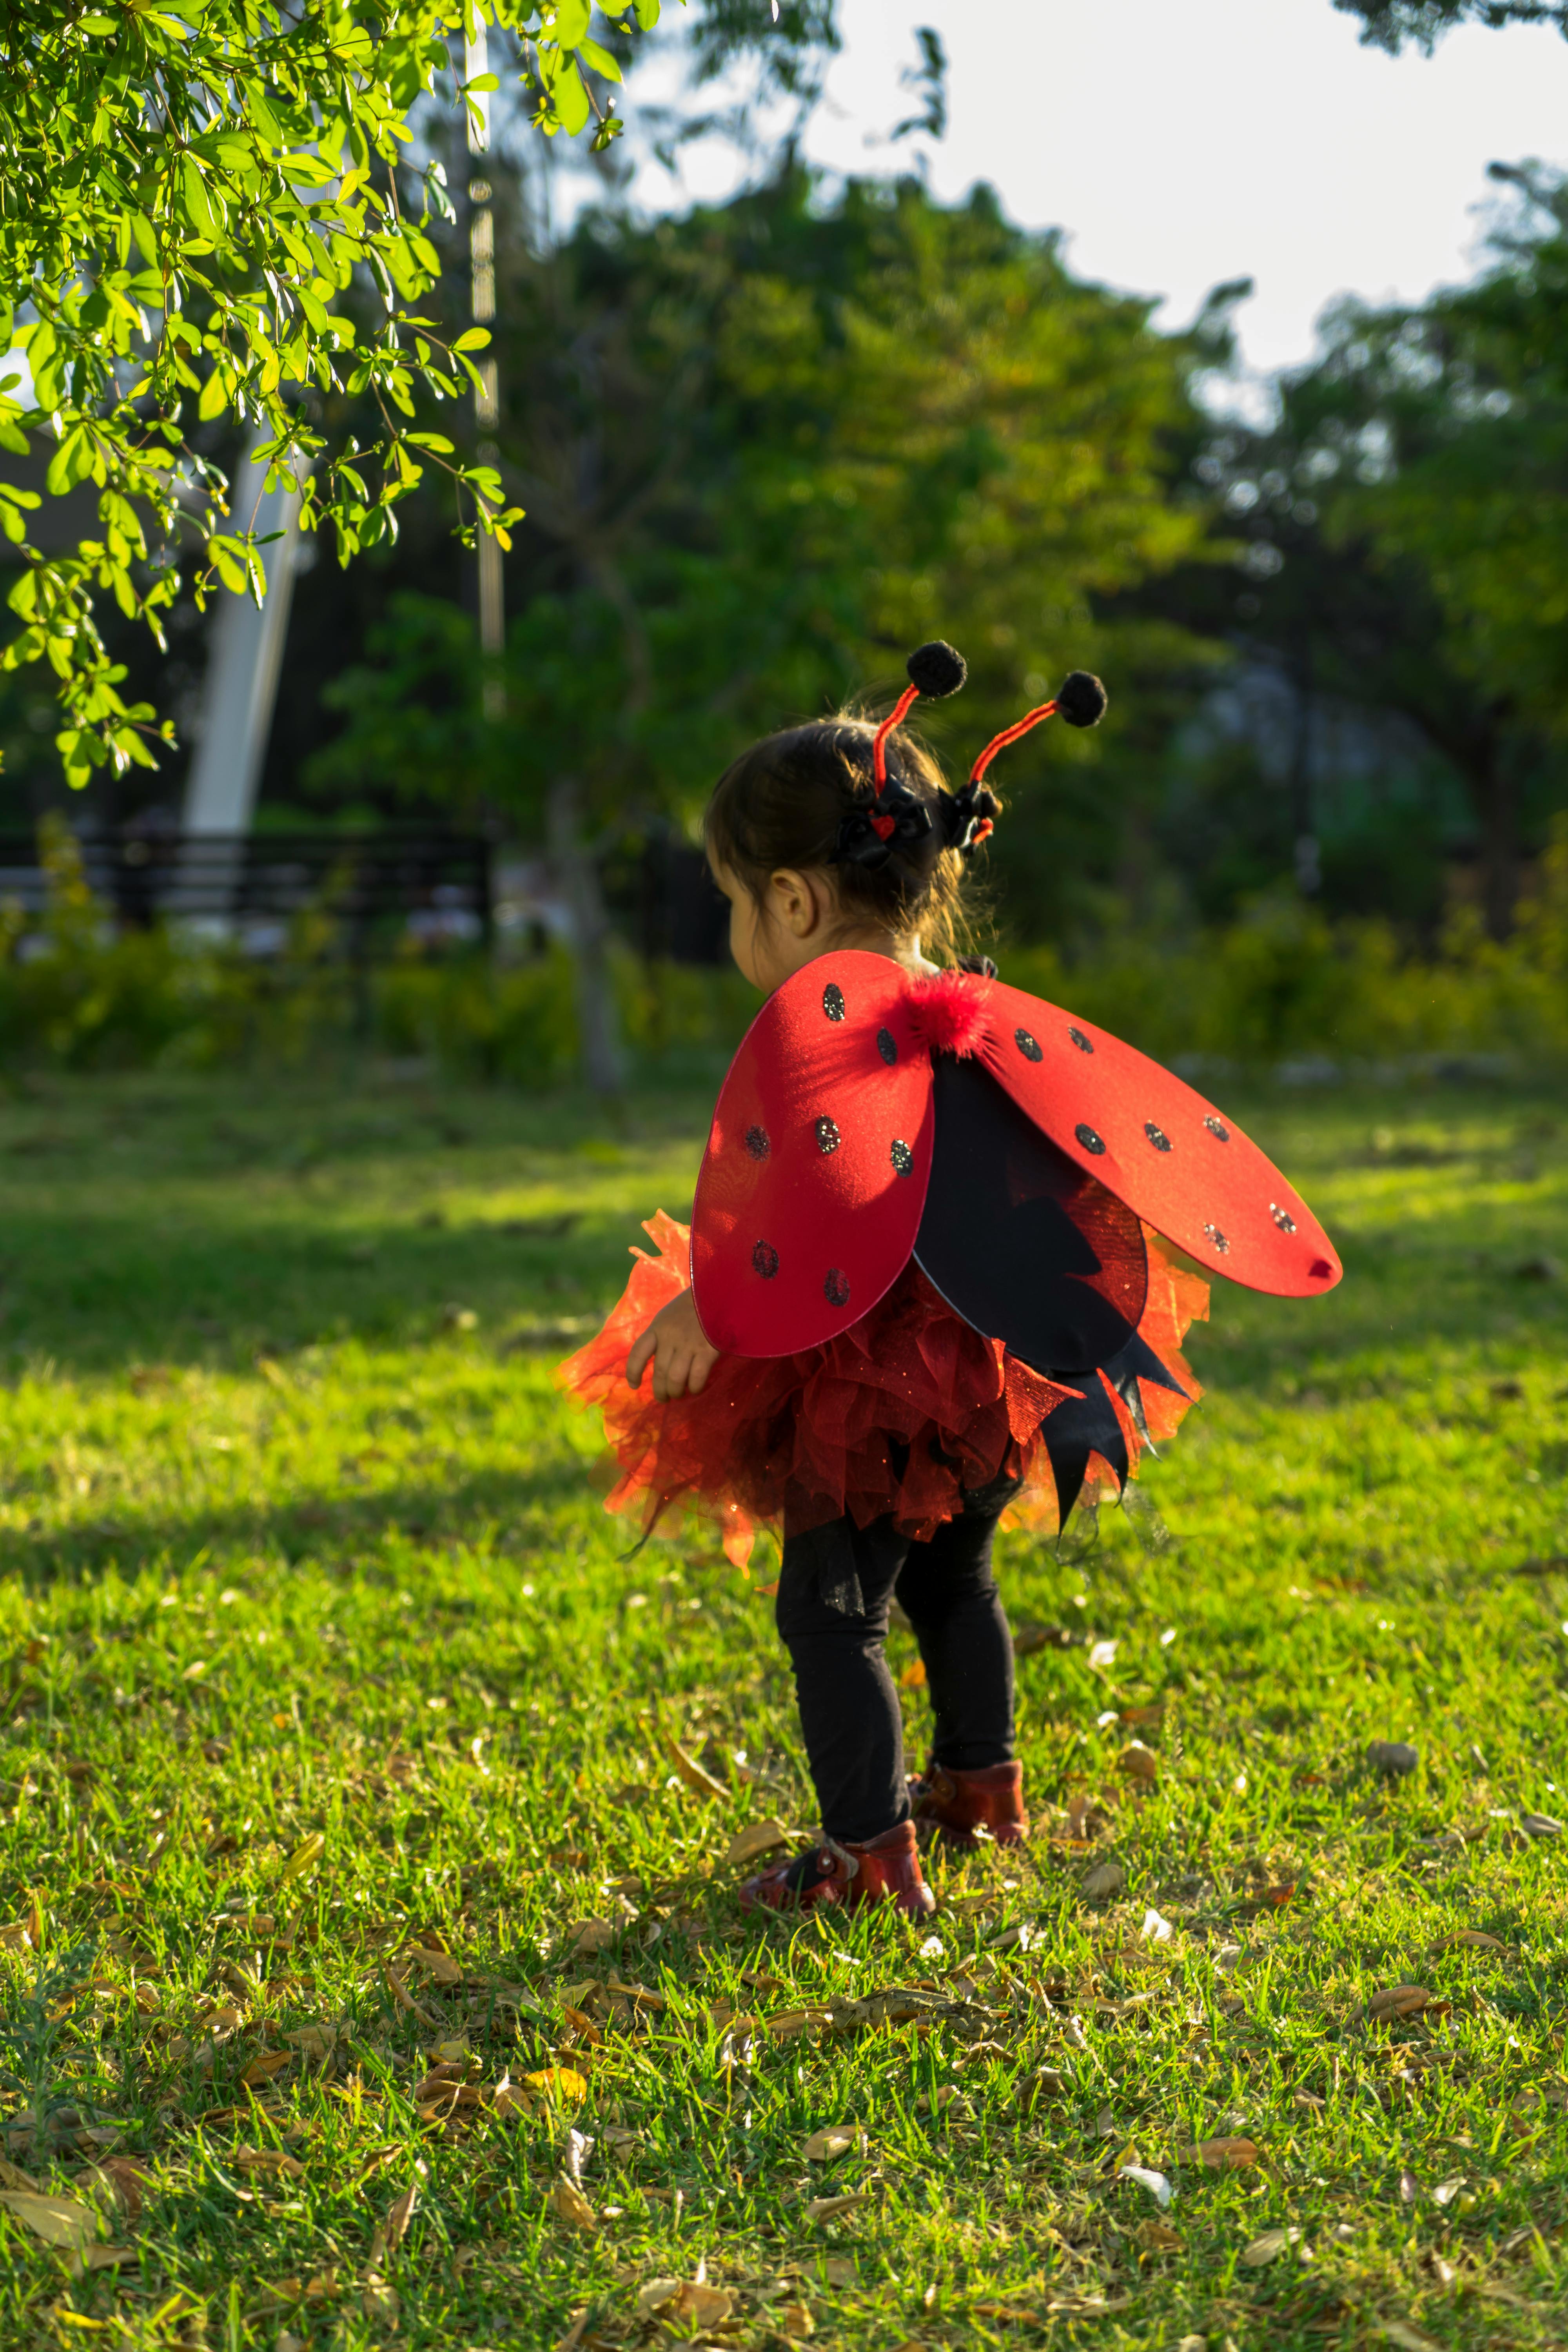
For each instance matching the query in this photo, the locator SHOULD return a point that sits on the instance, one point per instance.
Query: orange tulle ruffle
(900, 1415)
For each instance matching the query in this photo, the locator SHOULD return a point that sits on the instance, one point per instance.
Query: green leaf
(473, 339)
(570, 23)
(215, 396)
(71, 463)
(315, 310)
(194, 200)
(647, 13)
(571, 100)
(98, 25)
(601, 60)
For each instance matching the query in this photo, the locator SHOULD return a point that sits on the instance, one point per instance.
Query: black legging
(836, 1588)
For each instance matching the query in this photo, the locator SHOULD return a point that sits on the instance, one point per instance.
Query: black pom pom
(937, 669)
(1082, 701)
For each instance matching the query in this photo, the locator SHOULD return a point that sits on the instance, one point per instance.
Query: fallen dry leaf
(267, 2159)
(828, 2208)
(580, 2146)
(440, 1966)
(106, 2258)
(380, 2303)
(796, 2320)
(558, 2082)
(399, 2214)
(12, 2176)
(317, 2041)
(702, 1783)
(305, 1856)
(63, 2220)
(833, 2140)
(1470, 1938)
(1402, 2000)
(757, 1838)
(1021, 1938)
(592, 1936)
(1158, 2236)
(1139, 1763)
(1264, 2249)
(391, 2230)
(402, 1995)
(261, 2070)
(1409, 2339)
(685, 2299)
(1224, 2155)
(914, 1676)
(567, 2203)
(1106, 1878)
(791, 2022)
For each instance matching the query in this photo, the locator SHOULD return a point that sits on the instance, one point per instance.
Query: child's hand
(682, 1357)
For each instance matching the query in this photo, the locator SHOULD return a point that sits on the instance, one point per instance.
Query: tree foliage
(766, 449)
(1389, 23)
(219, 211)
(1406, 520)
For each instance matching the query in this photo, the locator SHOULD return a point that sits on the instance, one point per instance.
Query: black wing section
(1022, 1243)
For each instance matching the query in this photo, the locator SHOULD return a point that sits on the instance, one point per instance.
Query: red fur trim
(948, 1011)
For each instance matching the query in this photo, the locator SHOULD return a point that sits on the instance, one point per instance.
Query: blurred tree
(766, 449)
(1404, 524)
(1391, 23)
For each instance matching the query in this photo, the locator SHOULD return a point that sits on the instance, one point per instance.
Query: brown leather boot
(970, 1808)
(886, 1869)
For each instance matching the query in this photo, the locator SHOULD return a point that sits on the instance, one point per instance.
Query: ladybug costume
(928, 1241)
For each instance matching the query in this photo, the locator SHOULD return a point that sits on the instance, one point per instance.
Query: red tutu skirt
(899, 1415)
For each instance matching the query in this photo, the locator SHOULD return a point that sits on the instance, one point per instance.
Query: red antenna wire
(1010, 735)
(900, 711)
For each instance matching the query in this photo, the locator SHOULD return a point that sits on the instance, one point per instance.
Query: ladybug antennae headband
(1081, 702)
(937, 671)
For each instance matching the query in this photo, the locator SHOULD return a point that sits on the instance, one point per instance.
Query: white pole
(244, 664)
(487, 398)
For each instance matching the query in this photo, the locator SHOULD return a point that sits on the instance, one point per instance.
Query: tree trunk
(597, 1023)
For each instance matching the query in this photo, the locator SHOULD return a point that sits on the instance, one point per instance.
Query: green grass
(319, 1648)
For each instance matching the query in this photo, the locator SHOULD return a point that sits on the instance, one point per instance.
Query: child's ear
(796, 905)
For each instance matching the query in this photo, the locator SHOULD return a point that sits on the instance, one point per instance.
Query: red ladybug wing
(1183, 1166)
(817, 1162)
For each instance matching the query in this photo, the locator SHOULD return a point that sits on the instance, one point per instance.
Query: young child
(922, 1286)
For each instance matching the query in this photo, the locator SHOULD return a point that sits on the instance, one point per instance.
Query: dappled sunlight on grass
(355, 1837)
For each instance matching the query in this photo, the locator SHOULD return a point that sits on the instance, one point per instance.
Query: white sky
(1181, 142)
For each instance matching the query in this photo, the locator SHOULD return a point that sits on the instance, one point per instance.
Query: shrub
(1281, 982)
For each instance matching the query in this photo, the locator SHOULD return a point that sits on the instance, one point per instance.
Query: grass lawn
(364, 1812)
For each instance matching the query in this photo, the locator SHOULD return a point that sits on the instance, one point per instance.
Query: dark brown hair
(783, 803)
